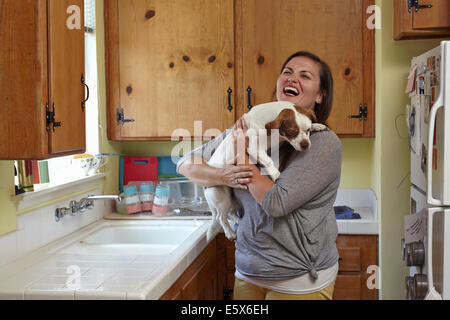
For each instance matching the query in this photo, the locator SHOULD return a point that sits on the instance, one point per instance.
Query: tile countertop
(44, 274)
(364, 202)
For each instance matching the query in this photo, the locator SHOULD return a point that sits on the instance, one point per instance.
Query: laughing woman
(286, 239)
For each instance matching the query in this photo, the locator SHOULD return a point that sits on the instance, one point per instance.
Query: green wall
(379, 164)
(391, 153)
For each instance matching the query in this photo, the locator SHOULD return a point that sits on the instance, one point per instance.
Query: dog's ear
(276, 124)
(307, 112)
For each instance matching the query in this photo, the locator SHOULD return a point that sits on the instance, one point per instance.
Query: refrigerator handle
(434, 109)
(432, 294)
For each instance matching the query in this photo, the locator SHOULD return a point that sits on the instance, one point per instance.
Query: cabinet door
(436, 17)
(23, 79)
(170, 63)
(66, 67)
(333, 30)
(426, 23)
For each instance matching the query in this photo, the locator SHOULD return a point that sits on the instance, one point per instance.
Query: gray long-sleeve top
(294, 231)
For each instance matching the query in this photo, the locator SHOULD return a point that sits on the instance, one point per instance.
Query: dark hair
(321, 110)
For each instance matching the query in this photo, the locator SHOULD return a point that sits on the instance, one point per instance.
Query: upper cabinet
(336, 31)
(42, 66)
(171, 63)
(421, 19)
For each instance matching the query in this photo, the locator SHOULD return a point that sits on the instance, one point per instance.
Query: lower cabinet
(211, 275)
(358, 267)
(356, 278)
(199, 281)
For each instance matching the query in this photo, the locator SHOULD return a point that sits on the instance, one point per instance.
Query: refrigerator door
(418, 142)
(438, 152)
(438, 253)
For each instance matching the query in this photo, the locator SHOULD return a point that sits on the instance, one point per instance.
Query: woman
(286, 239)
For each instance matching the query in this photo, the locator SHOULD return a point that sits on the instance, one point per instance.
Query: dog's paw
(274, 174)
(318, 127)
(230, 235)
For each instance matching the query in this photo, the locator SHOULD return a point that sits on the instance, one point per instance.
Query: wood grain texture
(199, 281)
(368, 256)
(66, 66)
(403, 21)
(23, 79)
(332, 30)
(40, 63)
(436, 17)
(358, 252)
(175, 65)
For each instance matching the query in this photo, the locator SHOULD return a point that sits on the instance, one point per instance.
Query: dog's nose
(304, 144)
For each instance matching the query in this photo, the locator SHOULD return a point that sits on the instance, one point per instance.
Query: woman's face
(299, 83)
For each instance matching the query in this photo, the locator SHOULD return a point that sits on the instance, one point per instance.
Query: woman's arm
(194, 166)
(197, 170)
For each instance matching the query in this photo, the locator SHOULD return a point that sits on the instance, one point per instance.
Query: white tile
(342, 226)
(343, 197)
(62, 271)
(359, 198)
(8, 248)
(100, 294)
(58, 294)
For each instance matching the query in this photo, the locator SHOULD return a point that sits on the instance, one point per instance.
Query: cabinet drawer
(349, 259)
(347, 287)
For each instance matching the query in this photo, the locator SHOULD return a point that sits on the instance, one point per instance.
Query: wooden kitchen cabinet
(433, 22)
(171, 62)
(42, 66)
(199, 281)
(356, 252)
(270, 31)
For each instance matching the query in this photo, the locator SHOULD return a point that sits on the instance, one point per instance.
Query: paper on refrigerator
(416, 226)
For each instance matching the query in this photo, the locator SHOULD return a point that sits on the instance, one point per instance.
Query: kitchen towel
(344, 212)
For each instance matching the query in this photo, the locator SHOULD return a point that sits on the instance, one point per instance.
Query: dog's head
(294, 126)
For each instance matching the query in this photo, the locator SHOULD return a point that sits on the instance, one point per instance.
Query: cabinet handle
(230, 107)
(83, 103)
(249, 98)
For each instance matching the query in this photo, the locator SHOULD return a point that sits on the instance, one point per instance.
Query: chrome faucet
(81, 206)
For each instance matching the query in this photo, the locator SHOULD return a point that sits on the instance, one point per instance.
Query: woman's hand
(236, 176)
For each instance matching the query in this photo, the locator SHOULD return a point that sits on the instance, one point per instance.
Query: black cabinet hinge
(120, 117)
(362, 113)
(50, 118)
(415, 3)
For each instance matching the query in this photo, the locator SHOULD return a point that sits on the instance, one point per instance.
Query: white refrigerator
(426, 245)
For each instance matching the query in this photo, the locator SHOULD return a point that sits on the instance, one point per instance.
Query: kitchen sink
(149, 238)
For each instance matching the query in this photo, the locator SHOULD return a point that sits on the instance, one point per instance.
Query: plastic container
(132, 201)
(146, 195)
(161, 200)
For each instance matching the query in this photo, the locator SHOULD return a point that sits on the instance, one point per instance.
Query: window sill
(46, 194)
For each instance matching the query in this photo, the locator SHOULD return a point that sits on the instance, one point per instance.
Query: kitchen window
(62, 170)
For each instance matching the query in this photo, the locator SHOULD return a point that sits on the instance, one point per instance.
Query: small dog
(294, 124)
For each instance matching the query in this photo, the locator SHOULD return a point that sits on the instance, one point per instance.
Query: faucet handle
(61, 213)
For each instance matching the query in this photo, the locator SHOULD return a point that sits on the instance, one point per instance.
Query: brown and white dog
(294, 125)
